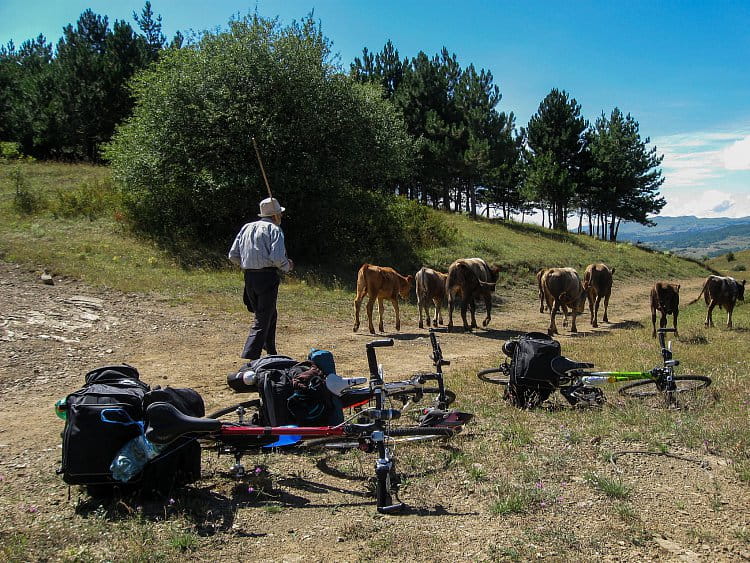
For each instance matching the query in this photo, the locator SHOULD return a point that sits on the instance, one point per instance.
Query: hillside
(689, 236)
(649, 482)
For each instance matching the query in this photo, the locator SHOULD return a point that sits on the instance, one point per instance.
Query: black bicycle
(577, 382)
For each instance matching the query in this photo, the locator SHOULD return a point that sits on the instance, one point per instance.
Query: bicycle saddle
(166, 423)
(562, 365)
(337, 384)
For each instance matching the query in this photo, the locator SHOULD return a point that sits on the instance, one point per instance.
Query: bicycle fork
(385, 473)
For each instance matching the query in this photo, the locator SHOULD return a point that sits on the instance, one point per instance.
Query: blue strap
(104, 415)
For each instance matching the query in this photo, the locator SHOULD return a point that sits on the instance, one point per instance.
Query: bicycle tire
(498, 376)
(450, 396)
(251, 404)
(647, 387)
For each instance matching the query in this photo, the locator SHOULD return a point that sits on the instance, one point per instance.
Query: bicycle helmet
(509, 347)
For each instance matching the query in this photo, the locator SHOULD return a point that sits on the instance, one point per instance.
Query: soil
(313, 509)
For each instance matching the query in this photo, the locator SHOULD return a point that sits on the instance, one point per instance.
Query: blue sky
(680, 68)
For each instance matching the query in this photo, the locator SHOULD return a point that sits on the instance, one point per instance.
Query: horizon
(676, 68)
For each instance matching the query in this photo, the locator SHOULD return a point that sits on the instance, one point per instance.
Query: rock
(46, 278)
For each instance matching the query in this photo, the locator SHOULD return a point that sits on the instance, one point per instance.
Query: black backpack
(531, 377)
(104, 415)
(90, 442)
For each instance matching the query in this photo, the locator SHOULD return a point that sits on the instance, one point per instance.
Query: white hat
(270, 207)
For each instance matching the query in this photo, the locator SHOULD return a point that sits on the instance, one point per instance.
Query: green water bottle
(61, 409)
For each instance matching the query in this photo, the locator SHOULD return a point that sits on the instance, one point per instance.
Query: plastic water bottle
(132, 458)
(597, 379)
(61, 409)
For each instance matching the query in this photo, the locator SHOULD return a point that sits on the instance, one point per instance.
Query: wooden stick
(263, 171)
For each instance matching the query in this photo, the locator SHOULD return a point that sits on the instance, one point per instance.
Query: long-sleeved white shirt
(260, 244)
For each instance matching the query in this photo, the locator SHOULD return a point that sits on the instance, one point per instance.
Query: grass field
(522, 483)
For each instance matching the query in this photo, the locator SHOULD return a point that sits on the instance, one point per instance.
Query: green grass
(505, 453)
(734, 264)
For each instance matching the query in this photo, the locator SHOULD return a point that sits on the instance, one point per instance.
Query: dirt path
(51, 335)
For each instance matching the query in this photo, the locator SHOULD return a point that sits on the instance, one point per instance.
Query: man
(260, 251)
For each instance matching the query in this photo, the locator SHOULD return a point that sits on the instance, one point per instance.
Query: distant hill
(690, 236)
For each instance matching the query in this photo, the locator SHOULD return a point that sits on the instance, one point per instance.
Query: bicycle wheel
(648, 388)
(251, 407)
(499, 376)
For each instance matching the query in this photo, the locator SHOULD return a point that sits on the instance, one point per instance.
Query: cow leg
(488, 307)
(596, 312)
(653, 322)
(573, 324)
(438, 315)
(398, 316)
(473, 310)
(590, 299)
(552, 312)
(450, 312)
(419, 306)
(605, 319)
(674, 322)
(709, 317)
(565, 314)
(730, 308)
(464, 306)
(380, 313)
(357, 304)
(370, 305)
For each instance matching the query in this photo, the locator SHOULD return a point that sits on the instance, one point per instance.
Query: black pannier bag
(179, 463)
(89, 442)
(531, 377)
(290, 392)
(105, 415)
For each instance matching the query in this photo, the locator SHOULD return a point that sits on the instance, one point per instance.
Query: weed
(273, 508)
(184, 541)
(613, 488)
(26, 200)
(626, 512)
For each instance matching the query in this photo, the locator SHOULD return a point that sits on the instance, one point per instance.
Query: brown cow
(597, 283)
(665, 298)
(721, 291)
(380, 283)
(430, 289)
(470, 278)
(563, 288)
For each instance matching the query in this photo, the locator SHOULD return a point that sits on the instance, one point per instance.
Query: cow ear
(678, 287)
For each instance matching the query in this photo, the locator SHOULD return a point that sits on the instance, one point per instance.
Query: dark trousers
(261, 292)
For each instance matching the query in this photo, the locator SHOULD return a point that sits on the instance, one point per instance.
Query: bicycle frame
(661, 374)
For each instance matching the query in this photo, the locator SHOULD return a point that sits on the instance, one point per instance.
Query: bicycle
(578, 384)
(404, 395)
(371, 433)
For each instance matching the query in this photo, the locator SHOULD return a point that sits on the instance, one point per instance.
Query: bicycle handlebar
(380, 343)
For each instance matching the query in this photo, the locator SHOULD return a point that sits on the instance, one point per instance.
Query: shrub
(10, 151)
(730, 256)
(25, 199)
(330, 146)
(90, 200)
(739, 268)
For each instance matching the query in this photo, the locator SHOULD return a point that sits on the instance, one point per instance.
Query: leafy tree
(555, 137)
(185, 159)
(625, 174)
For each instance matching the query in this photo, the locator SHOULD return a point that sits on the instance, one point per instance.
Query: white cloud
(708, 203)
(737, 155)
(706, 174)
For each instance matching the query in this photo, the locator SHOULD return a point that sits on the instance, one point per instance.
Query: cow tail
(703, 292)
